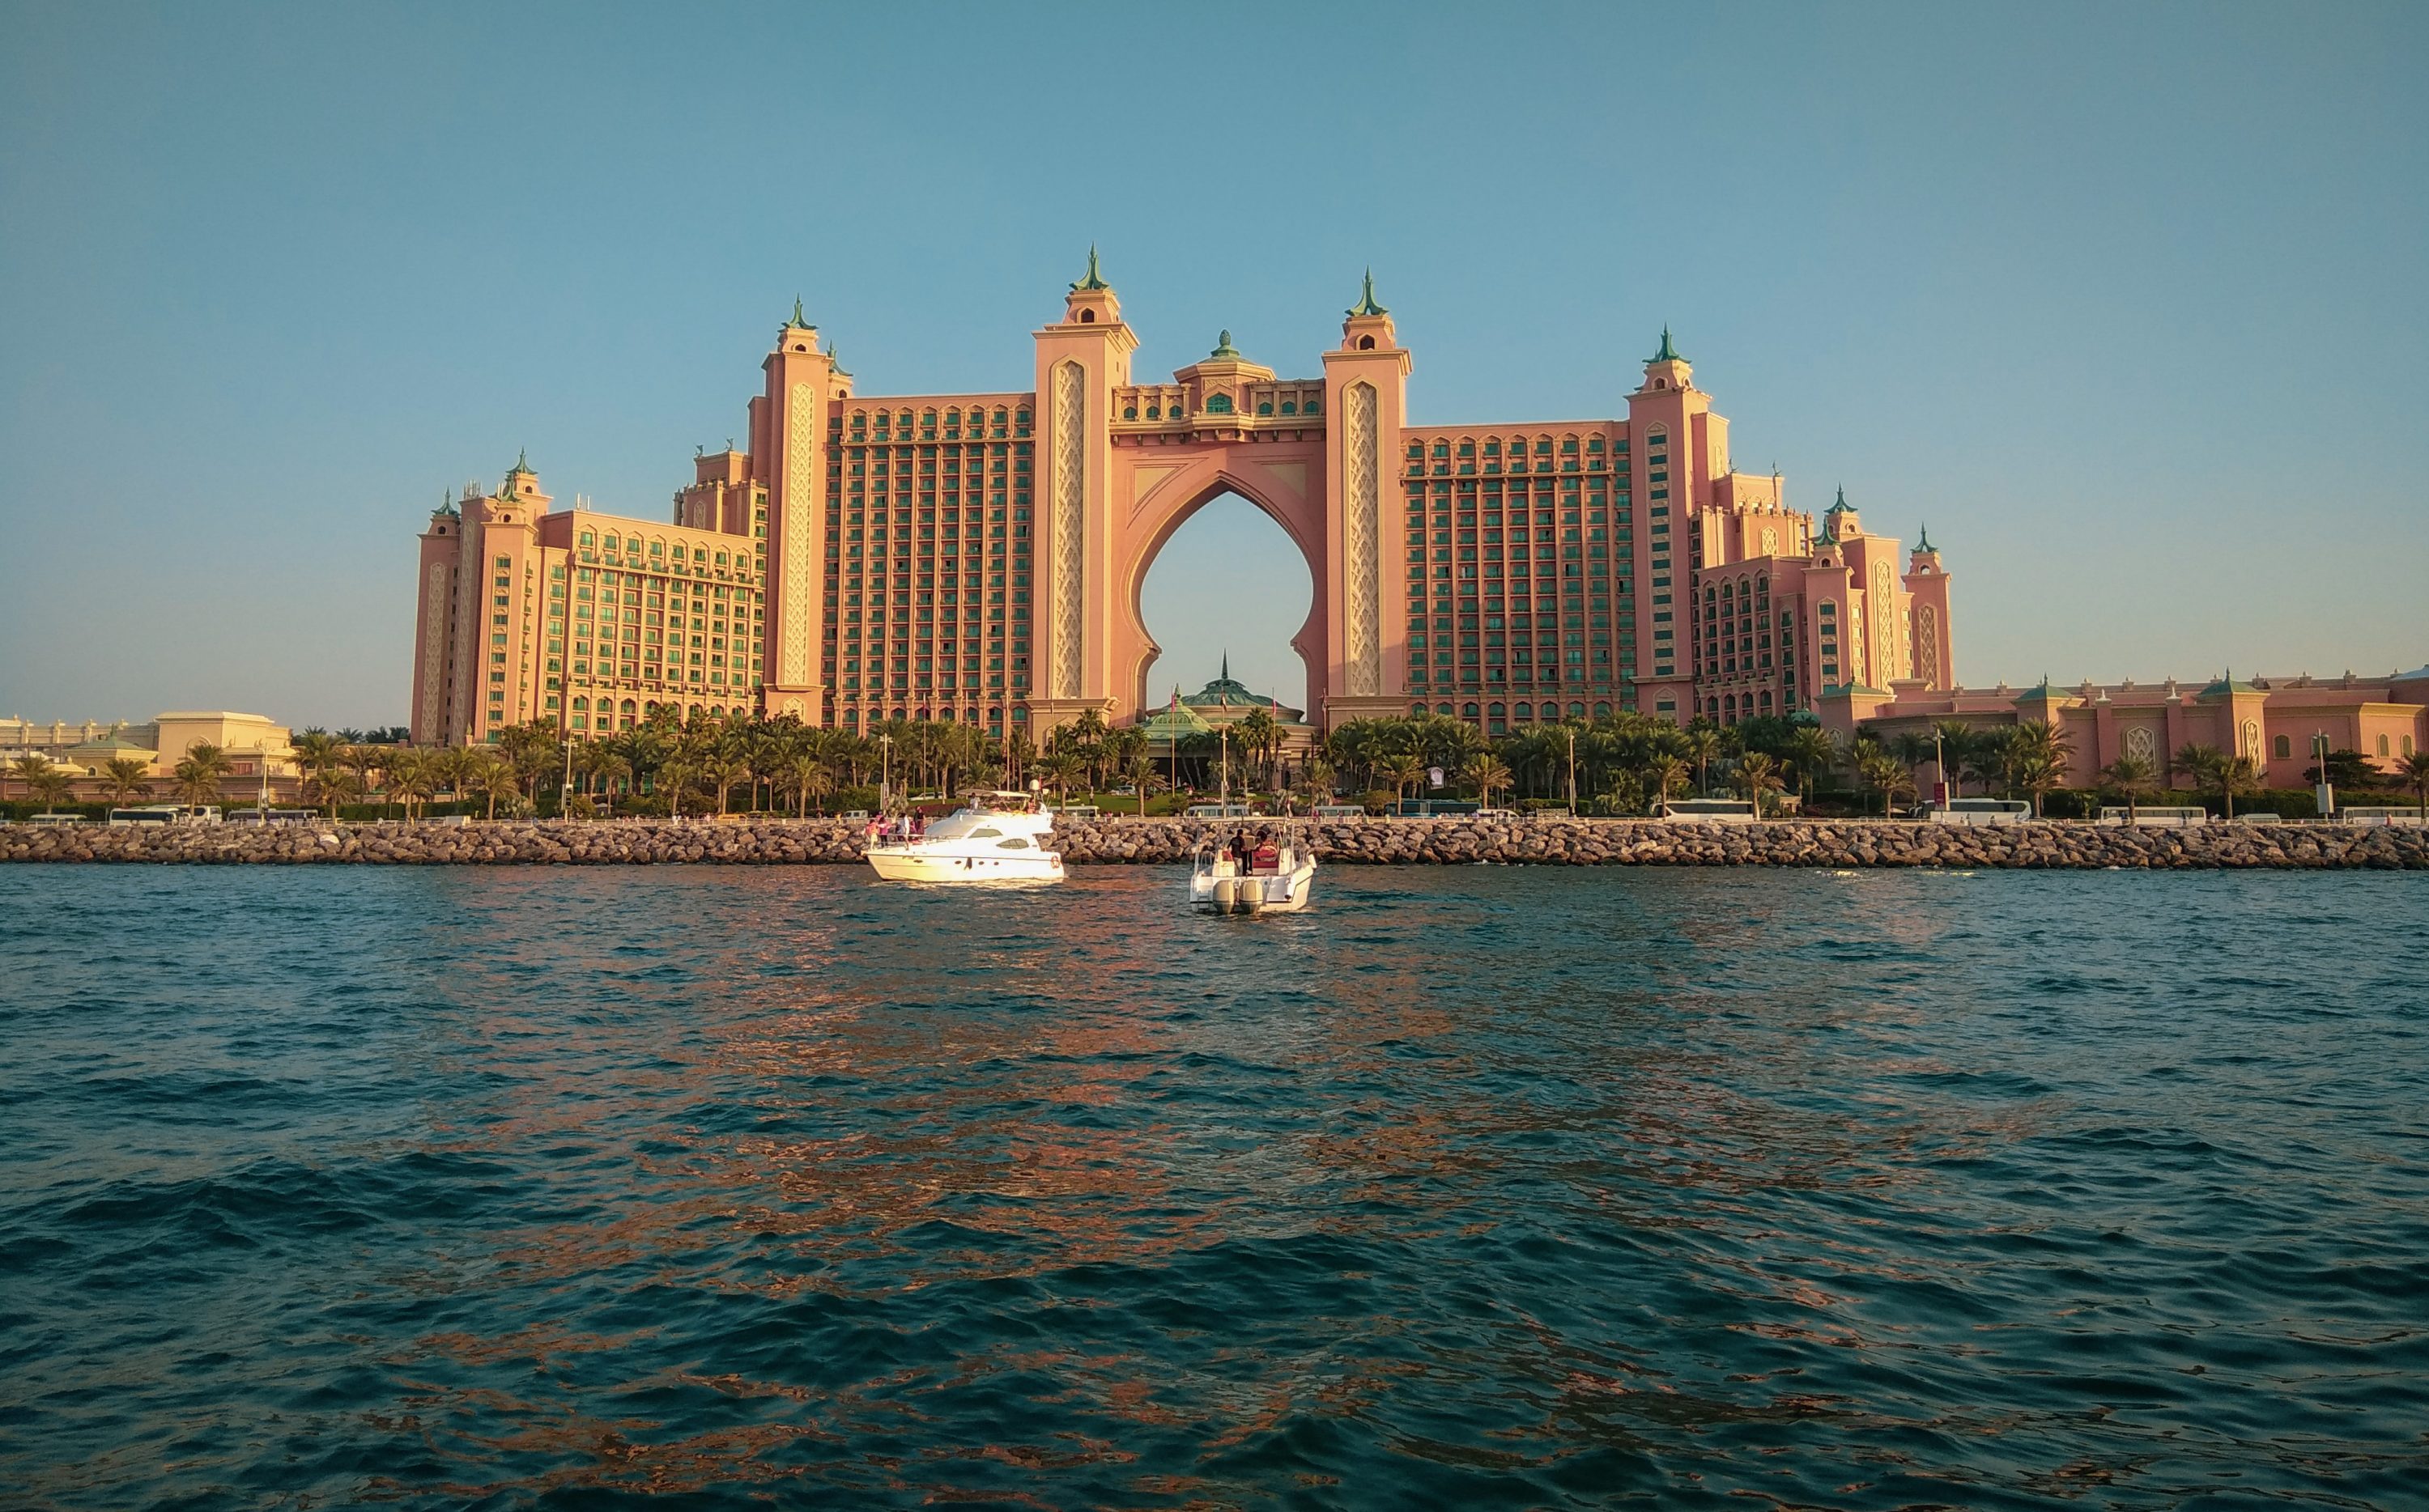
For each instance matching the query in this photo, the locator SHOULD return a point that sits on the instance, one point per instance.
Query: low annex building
(978, 557)
(2272, 721)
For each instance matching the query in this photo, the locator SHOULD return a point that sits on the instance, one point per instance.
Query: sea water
(1469, 1188)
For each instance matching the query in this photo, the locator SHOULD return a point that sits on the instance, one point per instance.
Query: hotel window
(2283, 748)
(2382, 744)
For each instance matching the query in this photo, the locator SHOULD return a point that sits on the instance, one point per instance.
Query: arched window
(2382, 744)
(1087, 317)
(2282, 748)
(1470, 712)
(1602, 711)
(1524, 710)
(1219, 404)
(1365, 343)
(1576, 711)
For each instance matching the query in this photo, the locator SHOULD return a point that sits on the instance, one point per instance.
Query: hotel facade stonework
(978, 557)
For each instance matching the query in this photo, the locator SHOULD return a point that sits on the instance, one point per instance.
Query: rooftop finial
(1366, 305)
(1227, 667)
(1223, 346)
(798, 321)
(1842, 503)
(1668, 352)
(521, 466)
(1093, 280)
(1922, 539)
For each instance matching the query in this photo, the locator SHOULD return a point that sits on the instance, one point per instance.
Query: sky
(2125, 302)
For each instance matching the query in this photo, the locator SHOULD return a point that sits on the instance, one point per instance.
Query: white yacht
(999, 837)
(1277, 879)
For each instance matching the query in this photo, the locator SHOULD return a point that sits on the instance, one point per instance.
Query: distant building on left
(252, 742)
(665, 612)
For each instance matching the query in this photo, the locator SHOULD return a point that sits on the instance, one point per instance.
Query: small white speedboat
(1281, 879)
(999, 837)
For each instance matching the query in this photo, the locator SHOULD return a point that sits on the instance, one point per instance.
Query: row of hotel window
(882, 426)
(2282, 747)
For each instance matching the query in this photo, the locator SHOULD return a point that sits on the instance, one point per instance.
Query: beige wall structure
(2272, 720)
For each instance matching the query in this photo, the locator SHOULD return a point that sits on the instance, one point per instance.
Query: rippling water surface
(1473, 1186)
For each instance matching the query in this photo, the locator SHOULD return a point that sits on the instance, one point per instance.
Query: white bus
(1706, 811)
(166, 813)
(1981, 810)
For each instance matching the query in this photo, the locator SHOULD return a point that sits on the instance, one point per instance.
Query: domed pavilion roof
(1226, 692)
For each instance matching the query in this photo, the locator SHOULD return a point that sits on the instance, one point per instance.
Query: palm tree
(2414, 769)
(1885, 772)
(124, 778)
(1700, 742)
(1489, 774)
(1912, 747)
(723, 772)
(199, 775)
(332, 785)
(1757, 774)
(1259, 738)
(1812, 751)
(1404, 772)
(1138, 769)
(2131, 775)
(2214, 770)
(1316, 781)
(493, 778)
(53, 786)
(1666, 773)
(409, 778)
(1953, 741)
(28, 770)
(317, 753)
(1063, 770)
(363, 760)
(808, 779)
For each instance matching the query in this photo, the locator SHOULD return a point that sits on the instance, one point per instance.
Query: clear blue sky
(2127, 302)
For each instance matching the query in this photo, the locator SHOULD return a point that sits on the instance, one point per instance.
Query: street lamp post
(884, 773)
(1571, 730)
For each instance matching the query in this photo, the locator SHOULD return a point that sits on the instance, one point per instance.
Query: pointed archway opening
(1229, 584)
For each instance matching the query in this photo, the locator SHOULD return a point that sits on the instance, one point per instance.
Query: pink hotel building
(978, 557)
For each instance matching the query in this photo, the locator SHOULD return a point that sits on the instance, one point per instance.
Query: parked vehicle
(1980, 811)
(1706, 811)
(166, 813)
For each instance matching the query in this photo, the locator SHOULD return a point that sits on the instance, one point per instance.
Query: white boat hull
(1271, 893)
(909, 864)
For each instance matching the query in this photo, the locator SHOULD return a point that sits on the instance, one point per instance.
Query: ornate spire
(1227, 667)
(1223, 347)
(520, 466)
(1668, 352)
(798, 323)
(1093, 280)
(1922, 539)
(1842, 503)
(1366, 305)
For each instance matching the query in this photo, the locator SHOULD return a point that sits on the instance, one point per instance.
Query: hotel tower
(978, 557)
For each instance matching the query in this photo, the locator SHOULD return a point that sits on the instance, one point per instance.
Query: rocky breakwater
(1642, 843)
(1112, 839)
(614, 843)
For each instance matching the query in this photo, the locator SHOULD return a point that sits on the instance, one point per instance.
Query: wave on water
(1479, 1187)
